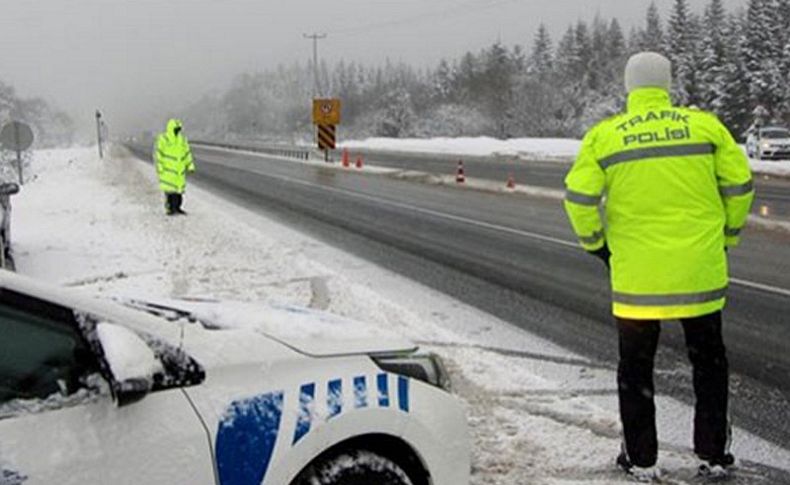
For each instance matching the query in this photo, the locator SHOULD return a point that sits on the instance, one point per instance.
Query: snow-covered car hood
(311, 332)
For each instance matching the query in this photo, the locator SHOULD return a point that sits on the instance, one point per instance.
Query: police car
(199, 392)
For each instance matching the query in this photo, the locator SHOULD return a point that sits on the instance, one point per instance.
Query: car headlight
(428, 368)
(766, 145)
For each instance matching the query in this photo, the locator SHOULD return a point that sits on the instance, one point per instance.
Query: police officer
(677, 192)
(173, 160)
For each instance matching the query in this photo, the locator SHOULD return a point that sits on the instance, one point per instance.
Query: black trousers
(173, 202)
(638, 342)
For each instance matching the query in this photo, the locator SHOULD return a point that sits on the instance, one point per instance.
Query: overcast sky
(139, 60)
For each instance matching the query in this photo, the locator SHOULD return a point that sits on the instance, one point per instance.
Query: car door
(58, 421)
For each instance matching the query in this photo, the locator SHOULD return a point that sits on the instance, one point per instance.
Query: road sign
(16, 136)
(326, 111)
(326, 137)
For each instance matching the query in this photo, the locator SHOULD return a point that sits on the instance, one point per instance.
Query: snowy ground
(528, 149)
(538, 414)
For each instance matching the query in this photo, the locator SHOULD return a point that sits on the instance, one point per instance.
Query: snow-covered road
(539, 414)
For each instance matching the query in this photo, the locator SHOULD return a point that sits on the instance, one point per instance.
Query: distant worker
(677, 191)
(173, 160)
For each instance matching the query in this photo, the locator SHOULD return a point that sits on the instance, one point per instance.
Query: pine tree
(680, 50)
(584, 50)
(784, 108)
(735, 105)
(566, 59)
(443, 82)
(541, 60)
(616, 54)
(761, 54)
(714, 57)
(635, 37)
(615, 41)
(499, 71)
(652, 38)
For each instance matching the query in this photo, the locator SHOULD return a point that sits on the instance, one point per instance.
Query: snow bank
(560, 149)
(537, 149)
(780, 168)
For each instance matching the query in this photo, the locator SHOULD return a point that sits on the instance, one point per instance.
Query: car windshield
(775, 134)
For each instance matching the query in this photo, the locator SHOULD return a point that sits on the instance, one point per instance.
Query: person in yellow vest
(676, 191)
(173, 161)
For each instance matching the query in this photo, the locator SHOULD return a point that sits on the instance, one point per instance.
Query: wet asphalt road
(772, 193)
(515, 257)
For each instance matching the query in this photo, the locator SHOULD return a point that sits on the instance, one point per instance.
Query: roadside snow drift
(527, 149)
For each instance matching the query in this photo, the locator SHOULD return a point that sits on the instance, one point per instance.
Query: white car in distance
(200, 392)
(769, 143)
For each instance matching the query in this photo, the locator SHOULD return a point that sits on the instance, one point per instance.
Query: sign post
(17, 136)
(326, 117)
(98, 132)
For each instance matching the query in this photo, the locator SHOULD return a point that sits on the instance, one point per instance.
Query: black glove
(602, 253)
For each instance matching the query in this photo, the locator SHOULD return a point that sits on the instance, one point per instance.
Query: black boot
(179, 199)
(170, 204)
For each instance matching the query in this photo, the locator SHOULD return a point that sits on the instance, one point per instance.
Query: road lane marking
(485, 225)
(759, 286)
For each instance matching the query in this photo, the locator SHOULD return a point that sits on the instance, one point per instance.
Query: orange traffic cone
(346, 161)
(359, 161)
(459, 175)
(511, 182)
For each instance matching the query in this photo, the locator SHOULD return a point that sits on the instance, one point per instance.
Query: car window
(775, 134)
(41, 353)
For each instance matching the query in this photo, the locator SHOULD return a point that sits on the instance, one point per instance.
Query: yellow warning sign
(326, 111)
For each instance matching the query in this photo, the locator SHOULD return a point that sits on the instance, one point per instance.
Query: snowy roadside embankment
(539, 149)
(538, 414)
(526, 149)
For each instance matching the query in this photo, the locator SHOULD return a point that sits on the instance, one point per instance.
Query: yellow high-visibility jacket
(677, 190)
(173, 159)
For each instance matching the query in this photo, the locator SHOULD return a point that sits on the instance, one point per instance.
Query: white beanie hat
(648, 70)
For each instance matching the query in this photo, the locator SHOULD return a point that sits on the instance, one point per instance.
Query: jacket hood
(172, 124)
(648, 98)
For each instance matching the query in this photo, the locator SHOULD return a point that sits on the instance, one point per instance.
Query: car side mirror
(9, 188)
(130, 360)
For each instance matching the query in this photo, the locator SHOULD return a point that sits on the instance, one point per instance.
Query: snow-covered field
(538, 414)
(528, 149)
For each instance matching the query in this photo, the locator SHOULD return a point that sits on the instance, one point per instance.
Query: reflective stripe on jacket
(173, 159)
(677, 191)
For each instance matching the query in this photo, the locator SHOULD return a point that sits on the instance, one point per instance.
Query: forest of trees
(731, 63)
(50, 126)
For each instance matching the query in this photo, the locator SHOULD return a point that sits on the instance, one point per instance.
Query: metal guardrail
(276, 150)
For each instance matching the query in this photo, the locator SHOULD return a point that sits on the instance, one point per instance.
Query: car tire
(356, 467)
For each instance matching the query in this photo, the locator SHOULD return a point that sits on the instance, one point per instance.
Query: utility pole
(316, 38)
(98, 132)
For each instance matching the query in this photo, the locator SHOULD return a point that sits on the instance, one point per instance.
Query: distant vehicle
(95, 391)
(769, 143)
